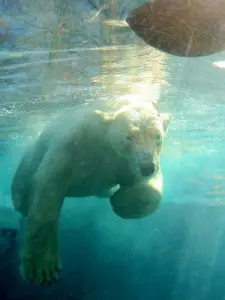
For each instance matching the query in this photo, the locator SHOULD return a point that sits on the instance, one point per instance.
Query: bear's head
(136, 133)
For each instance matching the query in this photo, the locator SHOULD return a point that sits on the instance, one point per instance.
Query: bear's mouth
(147, 169)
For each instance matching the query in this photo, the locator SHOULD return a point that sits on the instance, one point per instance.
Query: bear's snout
(148, 168)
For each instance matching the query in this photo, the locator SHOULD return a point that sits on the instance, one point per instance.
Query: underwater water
(57, 54)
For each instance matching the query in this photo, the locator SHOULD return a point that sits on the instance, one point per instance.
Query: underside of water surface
(59, 54)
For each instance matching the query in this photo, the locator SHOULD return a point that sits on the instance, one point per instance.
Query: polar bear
(87, 152)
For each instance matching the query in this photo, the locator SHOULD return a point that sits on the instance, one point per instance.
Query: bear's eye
(129, 138)
(158, 139)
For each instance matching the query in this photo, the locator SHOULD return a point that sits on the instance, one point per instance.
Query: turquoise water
(58, 54)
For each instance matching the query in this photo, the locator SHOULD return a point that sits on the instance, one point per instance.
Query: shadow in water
(176, 254)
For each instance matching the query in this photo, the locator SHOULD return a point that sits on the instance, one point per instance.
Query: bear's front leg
(40, 258)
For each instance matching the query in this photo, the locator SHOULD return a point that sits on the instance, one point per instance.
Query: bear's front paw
(40, 261)
(43, 270)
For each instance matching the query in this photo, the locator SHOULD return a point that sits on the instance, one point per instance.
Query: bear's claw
(43, 276)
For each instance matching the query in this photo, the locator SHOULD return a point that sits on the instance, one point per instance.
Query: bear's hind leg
(22, 181)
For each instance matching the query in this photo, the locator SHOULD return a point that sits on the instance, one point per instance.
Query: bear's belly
(93, 175)
(95, 184)
(76, 191)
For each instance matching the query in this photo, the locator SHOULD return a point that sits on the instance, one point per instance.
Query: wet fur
(74, 157)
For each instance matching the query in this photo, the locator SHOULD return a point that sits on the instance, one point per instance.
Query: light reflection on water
(58, 54)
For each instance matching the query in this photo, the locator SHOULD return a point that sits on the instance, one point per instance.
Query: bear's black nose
(148, 168)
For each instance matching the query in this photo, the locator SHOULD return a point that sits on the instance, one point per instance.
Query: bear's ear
(165, 120)
(106, 117)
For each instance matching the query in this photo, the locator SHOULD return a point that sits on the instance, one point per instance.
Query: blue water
(58, 54)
